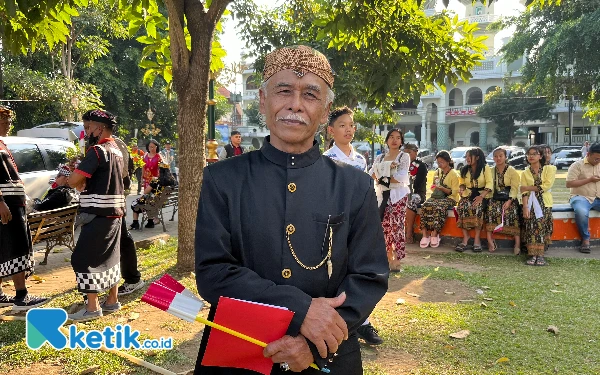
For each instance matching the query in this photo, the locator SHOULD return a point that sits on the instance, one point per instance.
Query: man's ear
(261, 104)
(326, 112)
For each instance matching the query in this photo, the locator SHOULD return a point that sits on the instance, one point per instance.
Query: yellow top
(485, 180)
(450, 182)
(511, 178)
(548, 175)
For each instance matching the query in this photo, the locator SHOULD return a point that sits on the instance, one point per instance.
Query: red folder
(266, 323)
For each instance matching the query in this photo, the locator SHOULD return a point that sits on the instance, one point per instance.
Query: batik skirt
(537, 232)
(434, 213)
(512, 217)
(393, 227)
(470, 217)
(16, 250)
(96, 257)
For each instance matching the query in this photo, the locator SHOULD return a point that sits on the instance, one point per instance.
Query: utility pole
(571, 120)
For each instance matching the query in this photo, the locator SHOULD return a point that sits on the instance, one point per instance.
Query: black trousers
(129, 264)
(138, 176)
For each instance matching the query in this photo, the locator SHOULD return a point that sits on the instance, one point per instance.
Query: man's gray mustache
(292, 117)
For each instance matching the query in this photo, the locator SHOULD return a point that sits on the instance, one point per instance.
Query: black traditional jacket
(11, 185)
(248, 207)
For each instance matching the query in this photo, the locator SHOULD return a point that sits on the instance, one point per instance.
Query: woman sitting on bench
(151, 192)
(444, 196)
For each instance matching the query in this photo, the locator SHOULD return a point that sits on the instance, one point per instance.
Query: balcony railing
(483, 18)
(577, 139)
(462, 110)
(407, 112)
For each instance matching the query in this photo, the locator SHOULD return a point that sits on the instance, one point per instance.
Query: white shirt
(354, 159)
(400, 189)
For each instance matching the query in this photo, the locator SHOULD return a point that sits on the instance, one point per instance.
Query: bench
(565, 233)
(169, 197)
(56, 227)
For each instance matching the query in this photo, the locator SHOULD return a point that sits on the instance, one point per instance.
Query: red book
(266, 323)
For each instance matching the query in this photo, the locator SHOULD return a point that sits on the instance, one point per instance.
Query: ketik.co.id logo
(43, 325)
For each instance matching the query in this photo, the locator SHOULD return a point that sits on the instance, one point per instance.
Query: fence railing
(462, 110)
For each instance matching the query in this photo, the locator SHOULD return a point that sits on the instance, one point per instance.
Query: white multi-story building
(443, 120)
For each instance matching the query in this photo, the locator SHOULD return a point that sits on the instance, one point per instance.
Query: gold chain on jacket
(326, 259)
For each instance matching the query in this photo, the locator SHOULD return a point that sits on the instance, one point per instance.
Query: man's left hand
(292, 350)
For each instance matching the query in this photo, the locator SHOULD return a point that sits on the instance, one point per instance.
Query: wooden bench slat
(47, 229)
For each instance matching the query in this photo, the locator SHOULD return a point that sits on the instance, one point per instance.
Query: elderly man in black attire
(297, 229)
(60, 196)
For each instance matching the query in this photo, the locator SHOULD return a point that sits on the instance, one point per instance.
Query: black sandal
(461, 247)
(541, 261)
(531, 261)
(477, 248)
(585, 249)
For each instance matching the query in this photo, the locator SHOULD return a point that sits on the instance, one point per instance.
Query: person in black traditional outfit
(58, 197)
(262, 238)
(95, 259)
(16, 251)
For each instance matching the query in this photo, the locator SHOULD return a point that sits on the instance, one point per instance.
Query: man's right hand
(595, 179)
(5, 214)
(323, 326)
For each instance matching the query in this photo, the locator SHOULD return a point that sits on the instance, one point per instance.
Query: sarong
(96, 257)
(16, 250)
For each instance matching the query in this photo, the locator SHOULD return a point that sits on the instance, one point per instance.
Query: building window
(251, 83)
(474, 96)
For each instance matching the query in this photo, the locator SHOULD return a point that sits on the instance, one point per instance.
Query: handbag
(500, 195)
(438, 193)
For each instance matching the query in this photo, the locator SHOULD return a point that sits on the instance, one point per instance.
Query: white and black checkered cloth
(97, 282)
(17, 265)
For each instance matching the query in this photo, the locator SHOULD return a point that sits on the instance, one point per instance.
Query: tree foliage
(560, 43)
(383, 51)
(509, 105)
(253, 115)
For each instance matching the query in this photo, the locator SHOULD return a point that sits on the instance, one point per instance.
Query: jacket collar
(291, 161)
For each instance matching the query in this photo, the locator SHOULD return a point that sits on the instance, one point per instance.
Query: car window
(27, 157)
(57, 154)
(458, 154)
(569, 154)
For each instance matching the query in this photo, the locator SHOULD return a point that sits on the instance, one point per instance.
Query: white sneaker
(127, 288)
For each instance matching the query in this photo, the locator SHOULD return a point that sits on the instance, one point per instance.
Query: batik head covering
(5, 112)
(63, 170)
(300, 59)
(99, 115)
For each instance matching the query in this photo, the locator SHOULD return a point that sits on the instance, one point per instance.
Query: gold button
(292, 187)
(286, 273)
(290, 229)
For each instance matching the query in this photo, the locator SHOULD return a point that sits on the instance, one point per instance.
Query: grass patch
(526, 300)
(153, 263)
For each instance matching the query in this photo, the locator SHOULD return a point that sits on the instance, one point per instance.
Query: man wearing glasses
(583, 178)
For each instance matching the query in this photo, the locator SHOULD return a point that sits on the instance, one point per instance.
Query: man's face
(4, 126)
(86, 127)
(342, 130)
(412, 154)
(236, 140)
(593, 158)
(61, 180)
(168, 146)
(294, 108)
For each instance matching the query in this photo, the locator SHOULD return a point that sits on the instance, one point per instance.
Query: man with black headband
(95, 259)
(16, 251)
(298, 231)
(129, 262)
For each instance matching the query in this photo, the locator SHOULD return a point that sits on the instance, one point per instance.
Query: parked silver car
(565, 158)
(458, 155)
(37, 160)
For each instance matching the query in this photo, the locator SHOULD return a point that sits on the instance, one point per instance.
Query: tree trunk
(191, 70)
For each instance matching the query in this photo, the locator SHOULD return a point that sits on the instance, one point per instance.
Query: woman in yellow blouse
(445, 195)
(475, 185)
(504, 202)
(548, 156)
(536, 181)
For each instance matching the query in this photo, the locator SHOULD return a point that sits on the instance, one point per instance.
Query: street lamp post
(211, 143)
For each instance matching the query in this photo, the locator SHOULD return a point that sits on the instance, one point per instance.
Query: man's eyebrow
(314, 87)
(283, 84)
